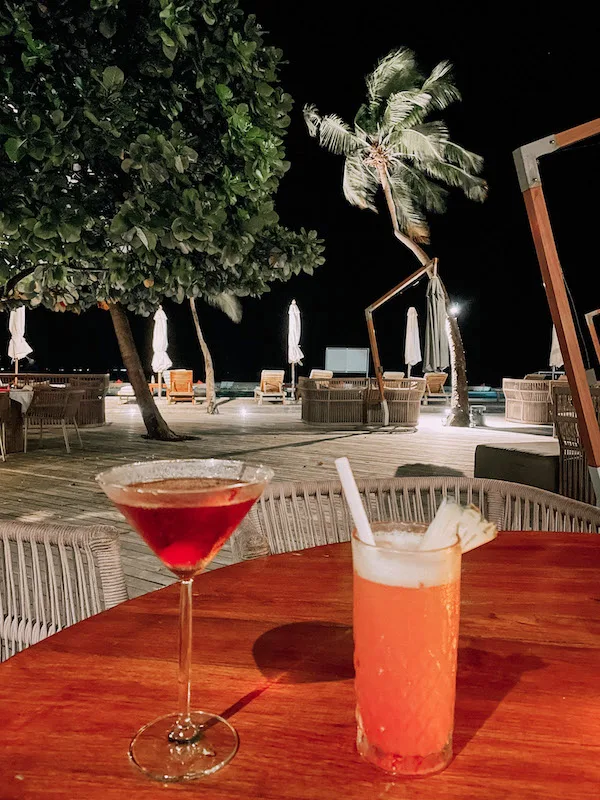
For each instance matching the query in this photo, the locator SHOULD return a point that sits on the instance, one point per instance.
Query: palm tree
(394, 145)
(231, 306)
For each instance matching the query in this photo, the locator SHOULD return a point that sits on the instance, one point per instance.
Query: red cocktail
(186, 520)
(185, 510)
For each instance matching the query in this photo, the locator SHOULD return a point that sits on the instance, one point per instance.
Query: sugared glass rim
(375, 546)
(104, 478)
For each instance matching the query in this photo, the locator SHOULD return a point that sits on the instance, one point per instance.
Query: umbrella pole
(293, 381)
(408, 370)
(16, 370)
(160, 384)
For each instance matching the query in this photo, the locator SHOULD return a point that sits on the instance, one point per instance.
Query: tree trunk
(211, 397)
(459, 399)
(155, 425)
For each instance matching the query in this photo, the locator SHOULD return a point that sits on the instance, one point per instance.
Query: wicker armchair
(53, 407)
(293, 516)
(55, 576)
(574, 477)
(92, 409)
(527, 401)
(338, 401)
(403, 398)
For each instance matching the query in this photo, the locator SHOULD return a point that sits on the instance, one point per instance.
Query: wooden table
(273, 652)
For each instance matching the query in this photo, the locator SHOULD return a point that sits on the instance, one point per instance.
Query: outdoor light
(455, 309)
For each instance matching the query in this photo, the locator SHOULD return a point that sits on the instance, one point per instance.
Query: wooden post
(526, 161)
(589, 318)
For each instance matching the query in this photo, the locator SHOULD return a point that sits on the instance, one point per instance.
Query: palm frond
(360, 183)
(426, 193)
(452, 175)
(469, 161)
(411, 220)
(312, 119)
(337, 136)
(401, 105)
(395, 72)
(227, 303)
(423, 142)
(440, 87)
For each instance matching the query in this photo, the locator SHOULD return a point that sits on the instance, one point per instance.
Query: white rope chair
(52, 576)
(293, 516)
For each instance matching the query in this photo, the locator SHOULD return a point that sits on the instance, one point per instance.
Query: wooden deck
(49, 485)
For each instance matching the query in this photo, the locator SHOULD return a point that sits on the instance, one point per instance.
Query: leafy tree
(141, 144)
(393, 145)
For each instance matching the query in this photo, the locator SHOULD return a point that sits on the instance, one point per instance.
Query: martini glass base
(159, 758)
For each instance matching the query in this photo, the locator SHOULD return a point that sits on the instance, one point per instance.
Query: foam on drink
(380, 564)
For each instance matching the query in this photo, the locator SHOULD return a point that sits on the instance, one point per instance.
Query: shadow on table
(305, 652)
(483, 681)
(301, 652)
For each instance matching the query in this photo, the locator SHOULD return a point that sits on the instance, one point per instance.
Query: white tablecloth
(22, 396)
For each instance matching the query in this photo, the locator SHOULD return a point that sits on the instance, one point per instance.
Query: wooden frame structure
(527, 164)
(589, 318)
(412, 279)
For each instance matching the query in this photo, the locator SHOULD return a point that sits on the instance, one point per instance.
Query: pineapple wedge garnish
(453, 522)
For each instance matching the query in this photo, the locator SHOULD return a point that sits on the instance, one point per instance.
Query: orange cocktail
(406, 616)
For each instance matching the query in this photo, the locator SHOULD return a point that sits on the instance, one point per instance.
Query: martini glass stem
(185, 731)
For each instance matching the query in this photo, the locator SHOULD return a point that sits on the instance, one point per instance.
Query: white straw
(357, 510)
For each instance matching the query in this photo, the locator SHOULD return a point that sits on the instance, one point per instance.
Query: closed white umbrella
(556, 358)
(295, 354)
(17, 346)
(412, 343)
(437, 353)
(160, 341)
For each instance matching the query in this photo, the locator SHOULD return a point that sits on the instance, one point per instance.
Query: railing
(92, 410)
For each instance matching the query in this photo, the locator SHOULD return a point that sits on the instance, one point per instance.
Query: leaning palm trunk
(459, 399)
(211, 400)
(155, 425)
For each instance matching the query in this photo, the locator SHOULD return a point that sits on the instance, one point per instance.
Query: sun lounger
(271, 386)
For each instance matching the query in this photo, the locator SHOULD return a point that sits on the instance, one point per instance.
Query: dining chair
(4, 418)
(54, 576)
(294, 516)
(53, 407)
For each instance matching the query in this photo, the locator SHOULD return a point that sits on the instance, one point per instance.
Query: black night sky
(521, 80)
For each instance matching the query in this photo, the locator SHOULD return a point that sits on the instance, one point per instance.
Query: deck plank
(48, 485)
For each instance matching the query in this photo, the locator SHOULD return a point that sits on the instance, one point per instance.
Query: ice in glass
(406, 619)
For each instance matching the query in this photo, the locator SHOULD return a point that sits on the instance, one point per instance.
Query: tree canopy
(141, 143)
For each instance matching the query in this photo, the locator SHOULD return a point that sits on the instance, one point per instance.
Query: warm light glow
(455, 309)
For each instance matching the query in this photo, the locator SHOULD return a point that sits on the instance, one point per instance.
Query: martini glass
(185, 510)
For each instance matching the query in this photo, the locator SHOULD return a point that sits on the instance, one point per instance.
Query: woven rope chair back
(294, 516)
(52, 576)
(48, 404)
